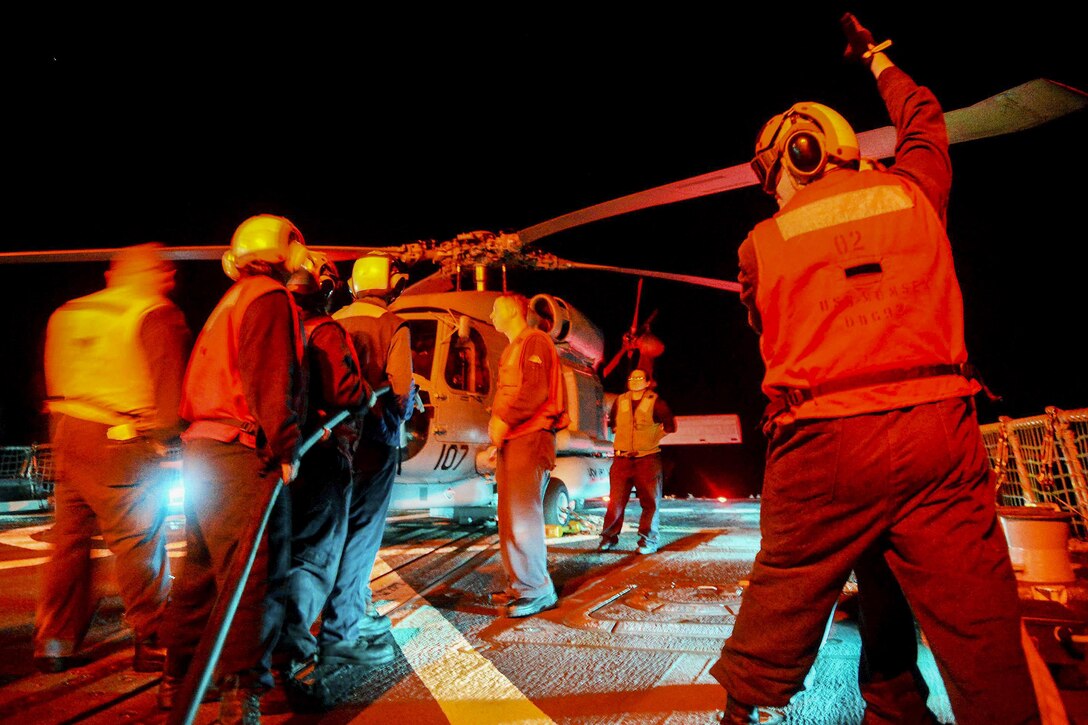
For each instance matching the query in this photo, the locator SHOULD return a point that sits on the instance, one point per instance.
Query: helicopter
(445, 468)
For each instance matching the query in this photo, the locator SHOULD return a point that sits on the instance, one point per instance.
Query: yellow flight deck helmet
(265, 238)
(803, 140)
(375, 274)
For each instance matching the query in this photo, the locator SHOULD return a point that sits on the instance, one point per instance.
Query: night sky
(422, 126)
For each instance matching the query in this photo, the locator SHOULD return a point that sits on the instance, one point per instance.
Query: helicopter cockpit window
(466, 364)
(423, 334)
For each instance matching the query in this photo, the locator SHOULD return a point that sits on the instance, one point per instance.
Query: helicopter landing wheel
(557, 503)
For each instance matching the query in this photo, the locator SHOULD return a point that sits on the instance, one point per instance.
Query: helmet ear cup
(229, 265)
(805, 155)
(296, 256)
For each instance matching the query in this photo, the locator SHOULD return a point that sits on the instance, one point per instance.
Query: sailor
(243, 398)
(639, 419)
(525, 415)
(353, 633)
(319, 496)
(114, 362)
(875, 462)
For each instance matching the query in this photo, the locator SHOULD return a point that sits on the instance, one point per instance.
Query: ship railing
(26, 472)
(1042, 460)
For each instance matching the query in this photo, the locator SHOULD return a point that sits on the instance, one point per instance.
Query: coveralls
(132, 350)
(243, 397)
(383, 346)
(875, 462)
(638, 424)
(528, 401)
(319, 496)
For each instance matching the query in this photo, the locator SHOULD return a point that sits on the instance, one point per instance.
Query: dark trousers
(644, 475)
(225, 488)
(110, 487)
(909, 494)
(523, 465)
(319, 513)
(374, 468)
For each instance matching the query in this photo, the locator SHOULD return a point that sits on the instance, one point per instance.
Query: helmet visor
(768, 158)
(767, 164)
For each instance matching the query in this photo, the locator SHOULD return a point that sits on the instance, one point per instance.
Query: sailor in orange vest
(243, 397)
(114, 362)
(525, 415)
(639, 419)
(875, 462)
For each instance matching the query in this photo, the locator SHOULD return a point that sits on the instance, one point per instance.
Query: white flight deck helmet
(802, 141)
(265, 238)
(317, 275)
(376, 275)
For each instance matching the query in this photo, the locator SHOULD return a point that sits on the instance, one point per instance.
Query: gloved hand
(288, 472)
(858, 39)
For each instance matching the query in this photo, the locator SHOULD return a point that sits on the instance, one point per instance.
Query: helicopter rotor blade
(105, 254)
(177, 254)
(685, 278)
(1025, 106)
(715, 182)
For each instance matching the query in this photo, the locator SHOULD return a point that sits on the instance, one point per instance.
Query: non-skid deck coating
(630, 642)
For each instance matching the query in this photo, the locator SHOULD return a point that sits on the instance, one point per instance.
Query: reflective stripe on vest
(212, 394)
(855, 277)
(552, 413)
(95, 366)
(636, 431)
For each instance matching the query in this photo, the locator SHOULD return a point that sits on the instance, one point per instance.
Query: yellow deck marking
(465, 684)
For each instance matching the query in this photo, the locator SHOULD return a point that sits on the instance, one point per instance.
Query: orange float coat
(214, 399)
(860, 306)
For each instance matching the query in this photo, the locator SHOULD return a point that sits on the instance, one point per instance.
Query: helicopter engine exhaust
(567, 325)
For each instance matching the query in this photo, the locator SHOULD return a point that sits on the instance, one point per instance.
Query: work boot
(149, 655)
(168, 690)
(173, 675)
(301, 672)
(238, 705)
(528, 606)
(300, 682)
(54, 655)
(171, 686)
(63, 663)
(372, 624)
(372, 652)
(739, 713)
